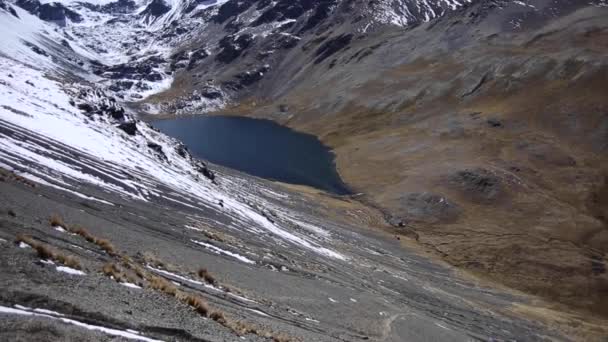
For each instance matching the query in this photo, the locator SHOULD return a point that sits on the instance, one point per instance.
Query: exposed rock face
(8, 8)
(155, 9)
(332, 46)
(129, 127)
(478, 185)
(52, 12)
(120, 6)
(233, 46)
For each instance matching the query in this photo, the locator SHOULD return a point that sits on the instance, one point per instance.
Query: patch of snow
(60, 229)
(131, 285)
(241, 297)
(258, 312)
(218, 250)
(23, 311)
(70, 270)
(170, 274)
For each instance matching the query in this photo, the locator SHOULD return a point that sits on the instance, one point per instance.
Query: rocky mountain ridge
(459, 123)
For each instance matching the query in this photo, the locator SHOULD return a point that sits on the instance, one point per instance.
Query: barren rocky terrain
(484, 140)
(473, 134)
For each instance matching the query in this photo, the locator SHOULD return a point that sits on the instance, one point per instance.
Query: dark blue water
(258, 147)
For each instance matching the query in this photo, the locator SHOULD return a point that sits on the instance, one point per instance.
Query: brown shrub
(69, 261)
(153, 260)
(46, 252)
(161, 284)
(197, 303)
(106, 246)
(84, 233)
(218, 317)
(204, 274)
(110, 269)
(56, 221)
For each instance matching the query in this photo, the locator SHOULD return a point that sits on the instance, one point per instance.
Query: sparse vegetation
(161, 284)
(218, 317)
(6, 175)
(153, 260)
(46, 252)
(114, 271)
(197, 303)
(56, 221)
(205, 275)
(104, 244)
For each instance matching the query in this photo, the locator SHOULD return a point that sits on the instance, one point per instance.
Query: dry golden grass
(162, 285)
(46, 252)
(56, 221)
(218, 317)
(113, 270)
(104, 244)
(153, 260)
(199, 305)
(205, 275)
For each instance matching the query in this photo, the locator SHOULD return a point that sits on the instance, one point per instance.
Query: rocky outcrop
(232, 9)
(8, 8)
(52, 12)
(128, 127)
(478, 185)
(332, 46)
(155, 9)
(233, 46)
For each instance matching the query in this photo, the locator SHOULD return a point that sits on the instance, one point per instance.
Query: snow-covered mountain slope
(75, 75)
(135, 48)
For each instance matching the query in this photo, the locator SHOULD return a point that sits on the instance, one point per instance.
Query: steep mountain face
(482, 135)
(475, 129)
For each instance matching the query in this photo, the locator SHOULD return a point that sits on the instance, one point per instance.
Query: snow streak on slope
(403, 12)
(44, 136)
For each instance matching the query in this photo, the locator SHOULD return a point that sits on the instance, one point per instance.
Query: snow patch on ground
(218, 250)
(173, 275)
(23, 311)
(70, 270)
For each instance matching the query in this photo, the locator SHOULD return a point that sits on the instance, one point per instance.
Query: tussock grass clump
(56, 221)
(114, 271)
(208, 277)
(151, 259)
(46, 252)
(104, 244)
(199, 304)
(163, 285)
(218, 317)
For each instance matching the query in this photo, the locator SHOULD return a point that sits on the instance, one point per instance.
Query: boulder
(232, 47)
(129, 127)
